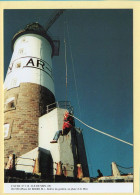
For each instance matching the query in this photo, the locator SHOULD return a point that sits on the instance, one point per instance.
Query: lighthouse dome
(33, 28)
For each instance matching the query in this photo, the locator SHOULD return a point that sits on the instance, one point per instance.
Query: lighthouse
(31, 114)
(28, 88)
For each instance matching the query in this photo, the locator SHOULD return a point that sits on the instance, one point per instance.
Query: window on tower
(23, 40)
(20, 51)
(13, 82)
(7, 129)
(18, 65)
(10, 104)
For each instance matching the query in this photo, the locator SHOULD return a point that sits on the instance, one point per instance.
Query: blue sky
(102, 48)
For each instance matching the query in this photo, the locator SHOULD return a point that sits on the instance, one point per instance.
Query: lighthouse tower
(31, 115)
(28, 88)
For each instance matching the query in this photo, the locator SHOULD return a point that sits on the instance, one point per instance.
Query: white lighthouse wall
(48, 125)
(31, 62)
(61, 151)
(32, 45)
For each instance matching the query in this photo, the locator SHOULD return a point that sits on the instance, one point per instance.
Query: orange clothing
(66, 125)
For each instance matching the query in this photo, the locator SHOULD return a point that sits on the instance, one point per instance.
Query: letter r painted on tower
(40, 62)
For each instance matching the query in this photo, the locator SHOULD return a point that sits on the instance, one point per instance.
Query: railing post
(11, 162)
(79, 171)
(59, 168)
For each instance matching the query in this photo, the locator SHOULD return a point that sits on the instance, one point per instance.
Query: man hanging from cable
(68, 124)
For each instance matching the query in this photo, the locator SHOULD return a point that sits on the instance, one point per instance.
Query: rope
(73, 68)
(77, 93)
(103, 132)
(124, 167)
(66, 67)
(123, 173)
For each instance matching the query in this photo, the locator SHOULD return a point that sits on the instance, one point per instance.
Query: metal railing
(14, 161)
(60, 104)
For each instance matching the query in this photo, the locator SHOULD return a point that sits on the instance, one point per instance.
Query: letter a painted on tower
(30, 62)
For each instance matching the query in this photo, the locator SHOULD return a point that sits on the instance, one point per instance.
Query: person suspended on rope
(68, 124)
